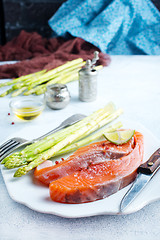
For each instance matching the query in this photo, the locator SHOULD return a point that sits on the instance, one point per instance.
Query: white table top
(131, 82)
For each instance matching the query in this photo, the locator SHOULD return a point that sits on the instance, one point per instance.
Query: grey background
(30, 15)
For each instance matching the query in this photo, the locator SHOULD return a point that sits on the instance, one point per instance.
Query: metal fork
(14, 143)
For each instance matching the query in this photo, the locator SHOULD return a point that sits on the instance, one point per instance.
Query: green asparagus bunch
(64, 141)
(37, 82)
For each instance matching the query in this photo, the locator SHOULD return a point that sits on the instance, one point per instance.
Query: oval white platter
(23, 190)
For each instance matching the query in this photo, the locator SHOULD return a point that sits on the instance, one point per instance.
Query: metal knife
(145, 172)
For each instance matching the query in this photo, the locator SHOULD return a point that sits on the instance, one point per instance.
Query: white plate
(36, 197)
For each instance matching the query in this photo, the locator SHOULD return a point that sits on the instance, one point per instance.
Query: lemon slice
(119, 137)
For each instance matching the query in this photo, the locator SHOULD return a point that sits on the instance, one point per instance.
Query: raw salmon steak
(94, 172)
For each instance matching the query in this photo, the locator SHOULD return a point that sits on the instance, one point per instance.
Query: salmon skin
(94, 172)
(84, 157)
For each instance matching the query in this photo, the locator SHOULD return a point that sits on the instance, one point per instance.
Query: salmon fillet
(92, 154)
(99, 180)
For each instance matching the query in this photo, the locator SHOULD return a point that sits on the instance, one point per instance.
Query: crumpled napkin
(115, 26)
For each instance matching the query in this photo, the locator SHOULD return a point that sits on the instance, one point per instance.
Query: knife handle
(151, 165)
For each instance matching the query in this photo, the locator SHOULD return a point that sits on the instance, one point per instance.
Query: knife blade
(145, 173)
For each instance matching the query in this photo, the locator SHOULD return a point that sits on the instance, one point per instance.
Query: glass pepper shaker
(57, 96)
(88, 80)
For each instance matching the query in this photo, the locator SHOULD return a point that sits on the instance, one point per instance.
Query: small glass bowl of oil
(28, 108)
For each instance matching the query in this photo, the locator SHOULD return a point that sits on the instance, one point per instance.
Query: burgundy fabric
(37, 53)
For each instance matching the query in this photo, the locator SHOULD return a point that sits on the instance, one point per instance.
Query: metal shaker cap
(89, 67)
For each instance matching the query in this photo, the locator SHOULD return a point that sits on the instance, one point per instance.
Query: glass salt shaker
(88, 80)
(57, 96)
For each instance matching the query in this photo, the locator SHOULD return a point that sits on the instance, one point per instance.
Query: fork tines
(4, 148)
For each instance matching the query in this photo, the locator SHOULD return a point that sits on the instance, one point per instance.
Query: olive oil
(28, 113)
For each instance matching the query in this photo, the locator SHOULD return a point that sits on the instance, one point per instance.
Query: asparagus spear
(67, 78)
(18, 92)
(58, 136)
(15, 93)
(46, 144)
(14, 155)
(41, 90)
(51, 73)
(70, 76)
(27, 82)
(53, 150)
(89, 139)
(55, 77)
(6, 92)
(18, 161)
(22, 78)
(33, 90)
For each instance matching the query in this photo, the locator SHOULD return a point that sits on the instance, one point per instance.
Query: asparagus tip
(20, 172)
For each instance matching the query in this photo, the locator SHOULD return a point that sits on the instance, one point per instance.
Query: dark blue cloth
(115, 26)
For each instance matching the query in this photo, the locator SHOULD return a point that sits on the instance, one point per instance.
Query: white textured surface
(133, 83)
